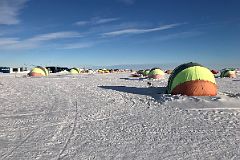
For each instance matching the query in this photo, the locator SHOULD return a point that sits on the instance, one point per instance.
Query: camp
(192, 79)
(74, 71)
(38, 72)
(156, 73)
(231, 73)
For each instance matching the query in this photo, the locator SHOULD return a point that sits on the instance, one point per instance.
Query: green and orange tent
(156, 73)
(146, 72)
(231, 73)
(74, 71)
(192, 79)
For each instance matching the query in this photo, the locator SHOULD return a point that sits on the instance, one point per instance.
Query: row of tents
(42, 71)
(157, 73)
(190, 79)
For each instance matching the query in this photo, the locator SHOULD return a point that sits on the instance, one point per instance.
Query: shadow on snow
(151, 91)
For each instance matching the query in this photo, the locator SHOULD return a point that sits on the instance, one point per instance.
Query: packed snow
(114, 116)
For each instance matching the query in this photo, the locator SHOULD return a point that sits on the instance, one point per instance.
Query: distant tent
(146, 72)
(74, 71)
(136, 75)
(90, 71)
(156, 73)
(38, 72)
(192, 79)
(169, 71)
(116, 70)
(214, 71)
(106, 71)
(231, 73)
(140, 71)
(100, 71)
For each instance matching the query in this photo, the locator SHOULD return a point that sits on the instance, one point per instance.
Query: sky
(117, 32)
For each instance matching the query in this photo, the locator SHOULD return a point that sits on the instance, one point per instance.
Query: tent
(156, 73)
(38, 72)
(169, 71)
(231, 73)
(146, 72)
(192, 79)
(214, 71)
(100, 71)
(140, 71)
(106, 71)
(90, 71)
(74, 71)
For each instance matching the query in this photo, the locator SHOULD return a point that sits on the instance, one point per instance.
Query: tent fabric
(100, 71)
(44, 69)
(156, 71)
(182, 67)
(38, 71)
(192, 79)
(179, 69)
(74, 71)
(103, 71)
(146, 72)
(169, 71)
(228, 73)
(106, 71)
(140, 72)
(191, 74)
(195, 88)
(214, 71)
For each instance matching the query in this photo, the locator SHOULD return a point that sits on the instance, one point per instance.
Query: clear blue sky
(108, 32)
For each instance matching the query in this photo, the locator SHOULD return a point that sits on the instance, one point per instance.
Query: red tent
(214, 71)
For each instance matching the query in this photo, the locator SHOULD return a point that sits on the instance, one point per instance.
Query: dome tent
(146, 72)
(100, 71)
(214, 71)
(169, 71)
(140, 71)
(105, 71)
(90, 71)
(192, 79)
(231, 73)
(38, 72)
(156, 73)
(74, 71)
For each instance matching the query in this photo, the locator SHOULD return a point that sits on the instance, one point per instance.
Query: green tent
(75, 71)
(146, 72)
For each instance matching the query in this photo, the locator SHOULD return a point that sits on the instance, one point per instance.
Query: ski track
(70, 135)
(112, 116)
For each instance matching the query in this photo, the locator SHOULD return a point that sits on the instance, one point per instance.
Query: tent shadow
(236, 80)
(151, 91)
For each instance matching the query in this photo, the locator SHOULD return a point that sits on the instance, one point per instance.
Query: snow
(114, 116)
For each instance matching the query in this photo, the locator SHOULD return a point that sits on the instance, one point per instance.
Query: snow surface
(112, 116)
